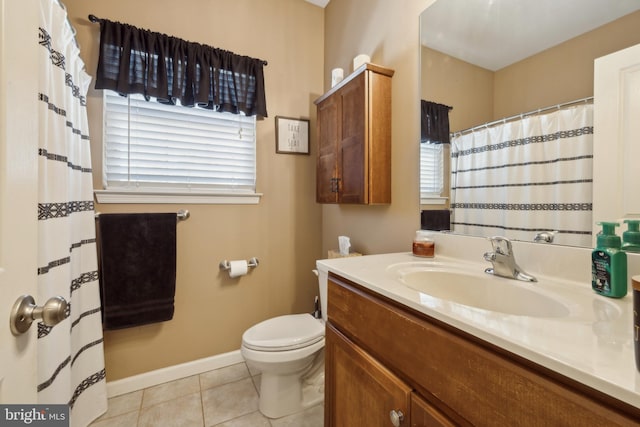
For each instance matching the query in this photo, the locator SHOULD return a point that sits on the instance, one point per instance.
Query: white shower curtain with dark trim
(522, 177)
(70, 355)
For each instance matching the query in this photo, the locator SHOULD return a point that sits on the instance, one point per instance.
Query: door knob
(25, 311)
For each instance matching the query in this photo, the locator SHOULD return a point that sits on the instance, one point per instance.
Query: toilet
(289, 353)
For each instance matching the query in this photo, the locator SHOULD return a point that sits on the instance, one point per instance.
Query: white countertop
(592, 345)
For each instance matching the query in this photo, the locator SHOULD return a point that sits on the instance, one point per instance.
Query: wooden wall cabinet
(354, 139)
(382, 357)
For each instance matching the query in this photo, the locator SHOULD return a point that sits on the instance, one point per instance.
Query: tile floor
(226, 397)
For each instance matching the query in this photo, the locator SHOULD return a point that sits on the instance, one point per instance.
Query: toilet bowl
(289, 353)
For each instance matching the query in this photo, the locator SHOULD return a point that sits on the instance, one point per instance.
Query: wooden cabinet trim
(423, 414)
(388, 72)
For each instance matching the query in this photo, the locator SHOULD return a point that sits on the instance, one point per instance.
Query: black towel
(137, 254)
(436, 220)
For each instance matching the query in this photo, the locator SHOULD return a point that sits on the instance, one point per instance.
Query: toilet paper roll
(238, 268)
(337, 74)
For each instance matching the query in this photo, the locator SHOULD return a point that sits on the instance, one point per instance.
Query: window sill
(123, 196)
(433, 200)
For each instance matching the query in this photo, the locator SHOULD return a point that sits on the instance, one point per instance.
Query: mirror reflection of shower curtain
(526, 176)
(71, 367)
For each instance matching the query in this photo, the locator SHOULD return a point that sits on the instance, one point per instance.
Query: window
(431, 173)
(155, 152)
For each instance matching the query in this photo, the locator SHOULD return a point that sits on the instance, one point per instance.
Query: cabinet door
(328, 133)
(425, 415)
(352, 157)
(359, 391)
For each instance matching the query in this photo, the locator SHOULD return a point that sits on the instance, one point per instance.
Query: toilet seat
(284, 333)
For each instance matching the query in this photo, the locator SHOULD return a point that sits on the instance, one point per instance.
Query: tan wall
(387, 31)
(459, 84)
(464, 86)
(563, 73)
(212, 311)
(560, 74)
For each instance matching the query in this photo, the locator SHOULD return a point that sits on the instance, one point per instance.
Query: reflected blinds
(431, 170)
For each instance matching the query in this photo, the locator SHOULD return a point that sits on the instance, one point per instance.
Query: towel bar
(251, 263)
(181, 215)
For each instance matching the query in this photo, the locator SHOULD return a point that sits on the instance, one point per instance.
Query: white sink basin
(481, 290)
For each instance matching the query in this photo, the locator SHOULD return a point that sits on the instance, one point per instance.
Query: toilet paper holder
(251, 263)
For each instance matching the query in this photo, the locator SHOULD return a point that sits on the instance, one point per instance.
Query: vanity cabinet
(354, 139)
(377, 348)
(360, 391)
(363, 391)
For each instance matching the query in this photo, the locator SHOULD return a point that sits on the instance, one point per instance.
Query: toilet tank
(323, 286)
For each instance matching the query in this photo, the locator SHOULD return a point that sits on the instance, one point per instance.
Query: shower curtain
(526, 176)
(70, 354)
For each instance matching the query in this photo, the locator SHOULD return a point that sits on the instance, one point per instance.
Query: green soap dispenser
(631, 237)
(609, 263)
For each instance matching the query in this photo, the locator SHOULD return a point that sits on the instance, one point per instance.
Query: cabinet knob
(396, 417)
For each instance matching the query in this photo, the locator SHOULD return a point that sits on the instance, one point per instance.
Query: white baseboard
(171, 373)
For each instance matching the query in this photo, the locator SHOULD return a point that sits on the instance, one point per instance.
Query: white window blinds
(156, 147)
(431, 170)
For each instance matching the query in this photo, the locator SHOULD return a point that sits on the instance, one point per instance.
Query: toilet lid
(284, 333)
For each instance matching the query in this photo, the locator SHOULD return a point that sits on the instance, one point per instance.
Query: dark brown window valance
(133, 60)
(434, 123)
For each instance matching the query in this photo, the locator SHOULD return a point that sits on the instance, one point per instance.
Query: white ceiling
(321, 3)
(497, 33)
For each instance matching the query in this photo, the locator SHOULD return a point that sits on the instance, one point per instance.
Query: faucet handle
(490, 256)
(501, 245)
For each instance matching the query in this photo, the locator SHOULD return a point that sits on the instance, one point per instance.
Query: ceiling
(497, 33)
(321, 3)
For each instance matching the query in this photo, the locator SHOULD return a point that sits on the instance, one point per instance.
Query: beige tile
(122, 404)
(311, 417)
(170, 390)
(229, 401)
(183, 411)
(130, 419)
(254, 419)
(224, 375)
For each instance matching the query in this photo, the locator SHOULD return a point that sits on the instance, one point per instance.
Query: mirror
(485, 59)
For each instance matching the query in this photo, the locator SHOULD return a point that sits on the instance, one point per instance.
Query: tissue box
(336, 254)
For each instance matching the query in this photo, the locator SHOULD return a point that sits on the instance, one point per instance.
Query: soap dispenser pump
(631, 237)
(609, 263)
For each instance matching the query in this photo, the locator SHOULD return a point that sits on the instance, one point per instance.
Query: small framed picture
(292, 135)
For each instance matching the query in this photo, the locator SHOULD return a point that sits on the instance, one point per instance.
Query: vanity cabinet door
(354, 139)
(359, 391)
(425, 415)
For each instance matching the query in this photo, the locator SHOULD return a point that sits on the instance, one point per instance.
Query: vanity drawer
(466, 378)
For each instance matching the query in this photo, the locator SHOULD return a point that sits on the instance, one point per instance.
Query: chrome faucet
(545, 237)
(504, 262)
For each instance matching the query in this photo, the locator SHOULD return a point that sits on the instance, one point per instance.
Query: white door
(18, 192)
(616, 142)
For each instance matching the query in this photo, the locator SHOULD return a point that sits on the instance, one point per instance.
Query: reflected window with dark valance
(170, 69)
(434, 123)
